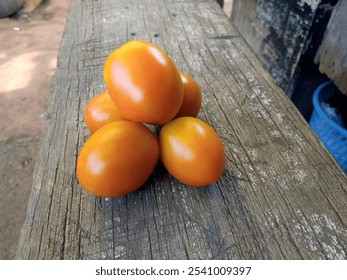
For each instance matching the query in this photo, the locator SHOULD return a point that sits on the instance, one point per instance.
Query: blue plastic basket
(333, 136)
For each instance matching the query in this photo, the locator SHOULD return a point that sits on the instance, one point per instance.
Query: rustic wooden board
(282, 196)
(285, 35)
(332, 54)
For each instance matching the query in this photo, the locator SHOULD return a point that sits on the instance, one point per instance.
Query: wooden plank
(332, 54)
(283, 34)
(282, 196)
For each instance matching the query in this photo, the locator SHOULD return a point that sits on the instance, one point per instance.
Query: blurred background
(29, 41)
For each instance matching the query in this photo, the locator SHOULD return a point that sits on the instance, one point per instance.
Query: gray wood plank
(284, 35)
(282, 196)
(332, 54)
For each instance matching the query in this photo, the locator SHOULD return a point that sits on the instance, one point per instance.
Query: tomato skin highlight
(117, 159)
(100, 111)
(143, 82)
(191, 97)
(191, 151)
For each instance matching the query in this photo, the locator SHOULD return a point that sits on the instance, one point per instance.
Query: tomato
(191, 98)
(117, 159)
(100, 111)
(191, 151)
(143, 82)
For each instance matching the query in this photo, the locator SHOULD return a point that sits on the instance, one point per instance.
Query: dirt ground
(28, 53)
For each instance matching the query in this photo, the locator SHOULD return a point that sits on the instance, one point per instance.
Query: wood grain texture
(283, 34)
(332, 54)
(282, 196)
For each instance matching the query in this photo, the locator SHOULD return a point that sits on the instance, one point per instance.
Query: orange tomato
(117, 159)
(191, 151)
(191, 98)
(143, 82)
(100, 111)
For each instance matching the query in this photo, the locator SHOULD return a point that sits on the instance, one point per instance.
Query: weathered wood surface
(332, 54)
(282, 196)
(285, 35)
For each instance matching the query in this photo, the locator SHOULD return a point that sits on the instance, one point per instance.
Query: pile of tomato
(145, 88)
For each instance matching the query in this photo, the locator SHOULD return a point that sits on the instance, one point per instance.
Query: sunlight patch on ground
(17, 72)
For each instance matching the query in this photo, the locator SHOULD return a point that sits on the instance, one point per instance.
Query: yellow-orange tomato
(191, 151)
(191, 98)
(117, 159)
(143, 82)
(100, 111)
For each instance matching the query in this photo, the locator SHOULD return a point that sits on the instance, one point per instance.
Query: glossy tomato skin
(191, 151)
(117, 159)
(191, 97)
(143, 82)
(100, 111)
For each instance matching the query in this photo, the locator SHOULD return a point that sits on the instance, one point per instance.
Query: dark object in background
(9, 7)
(285, 35)
(221, 2)
(339, 101)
